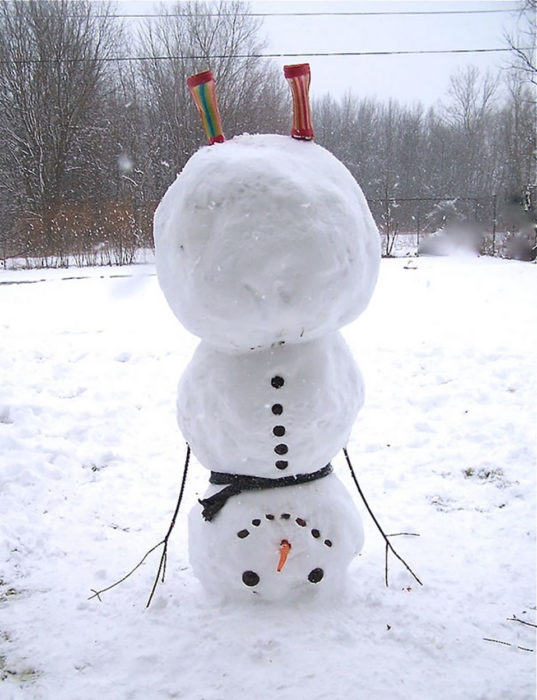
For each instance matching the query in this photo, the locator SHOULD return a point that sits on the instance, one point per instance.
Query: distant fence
(490, 223)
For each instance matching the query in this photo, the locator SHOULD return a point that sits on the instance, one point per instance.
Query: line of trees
(471, 159)
(88, 144)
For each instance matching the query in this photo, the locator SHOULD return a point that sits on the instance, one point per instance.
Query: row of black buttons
(279, 430)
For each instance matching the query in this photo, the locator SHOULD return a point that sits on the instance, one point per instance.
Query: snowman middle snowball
(265, 247)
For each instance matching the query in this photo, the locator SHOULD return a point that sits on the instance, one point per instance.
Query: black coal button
(250, 578)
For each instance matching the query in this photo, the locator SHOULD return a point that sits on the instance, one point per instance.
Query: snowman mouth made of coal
(278, 544)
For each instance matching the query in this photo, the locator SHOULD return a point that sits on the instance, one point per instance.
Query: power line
(397, 13)
(111, 59)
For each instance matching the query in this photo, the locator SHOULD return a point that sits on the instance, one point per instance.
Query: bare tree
(52, 76)
(455, 163)
(51, 68)
(471, 98)
(470, 115)
(197, 36)
(523, 42)
(518, 135)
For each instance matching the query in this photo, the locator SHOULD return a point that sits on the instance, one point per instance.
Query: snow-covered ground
(90, 466)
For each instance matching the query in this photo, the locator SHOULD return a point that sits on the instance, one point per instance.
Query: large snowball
(237, 553)
(284, 410)
(265, 238)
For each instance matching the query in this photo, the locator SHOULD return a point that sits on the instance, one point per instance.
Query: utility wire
(110, 59)
(310, 14)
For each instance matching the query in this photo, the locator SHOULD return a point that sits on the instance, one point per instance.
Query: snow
(224, 406)
(264, 247)
(318, 520)
(265, 238)
(90, 465)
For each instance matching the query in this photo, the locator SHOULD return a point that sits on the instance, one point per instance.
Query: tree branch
(506, 644)
(522, 622)
(389, 546)
(164, 556)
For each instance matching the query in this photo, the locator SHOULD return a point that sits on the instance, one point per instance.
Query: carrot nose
(285, 548)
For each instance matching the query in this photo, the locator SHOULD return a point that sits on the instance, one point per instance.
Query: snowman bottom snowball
(277, 544)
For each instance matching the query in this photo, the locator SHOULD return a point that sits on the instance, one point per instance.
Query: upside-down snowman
(265, 248)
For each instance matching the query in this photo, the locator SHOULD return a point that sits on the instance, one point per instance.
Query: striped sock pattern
(299, 77)
(203, 89)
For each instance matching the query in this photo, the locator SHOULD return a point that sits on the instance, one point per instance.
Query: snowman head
(277, 546)
(265, 239)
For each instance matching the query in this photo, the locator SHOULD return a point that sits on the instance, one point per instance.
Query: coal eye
(250, 578)
(315, 575)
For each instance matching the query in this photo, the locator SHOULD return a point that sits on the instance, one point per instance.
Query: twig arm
(164, 556)
(97, 594)
(384, 536)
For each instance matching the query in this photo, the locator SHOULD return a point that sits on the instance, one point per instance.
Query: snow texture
(90, 466)
(320, 522)
(226, 405)
(264, 239)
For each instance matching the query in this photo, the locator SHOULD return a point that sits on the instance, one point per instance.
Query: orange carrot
(285, 548)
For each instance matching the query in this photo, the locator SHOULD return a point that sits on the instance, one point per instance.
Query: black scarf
(237, 483)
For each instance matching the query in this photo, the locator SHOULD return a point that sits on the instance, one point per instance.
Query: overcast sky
(408, 78)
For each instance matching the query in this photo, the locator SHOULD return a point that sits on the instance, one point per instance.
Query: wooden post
(494, 207)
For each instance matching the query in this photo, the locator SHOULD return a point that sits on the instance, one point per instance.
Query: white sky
(423, 78)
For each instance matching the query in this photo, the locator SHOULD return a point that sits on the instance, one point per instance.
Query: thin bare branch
(97, 594)
(506, 644)
(164, 543)
(385, 537)
(522, 622)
